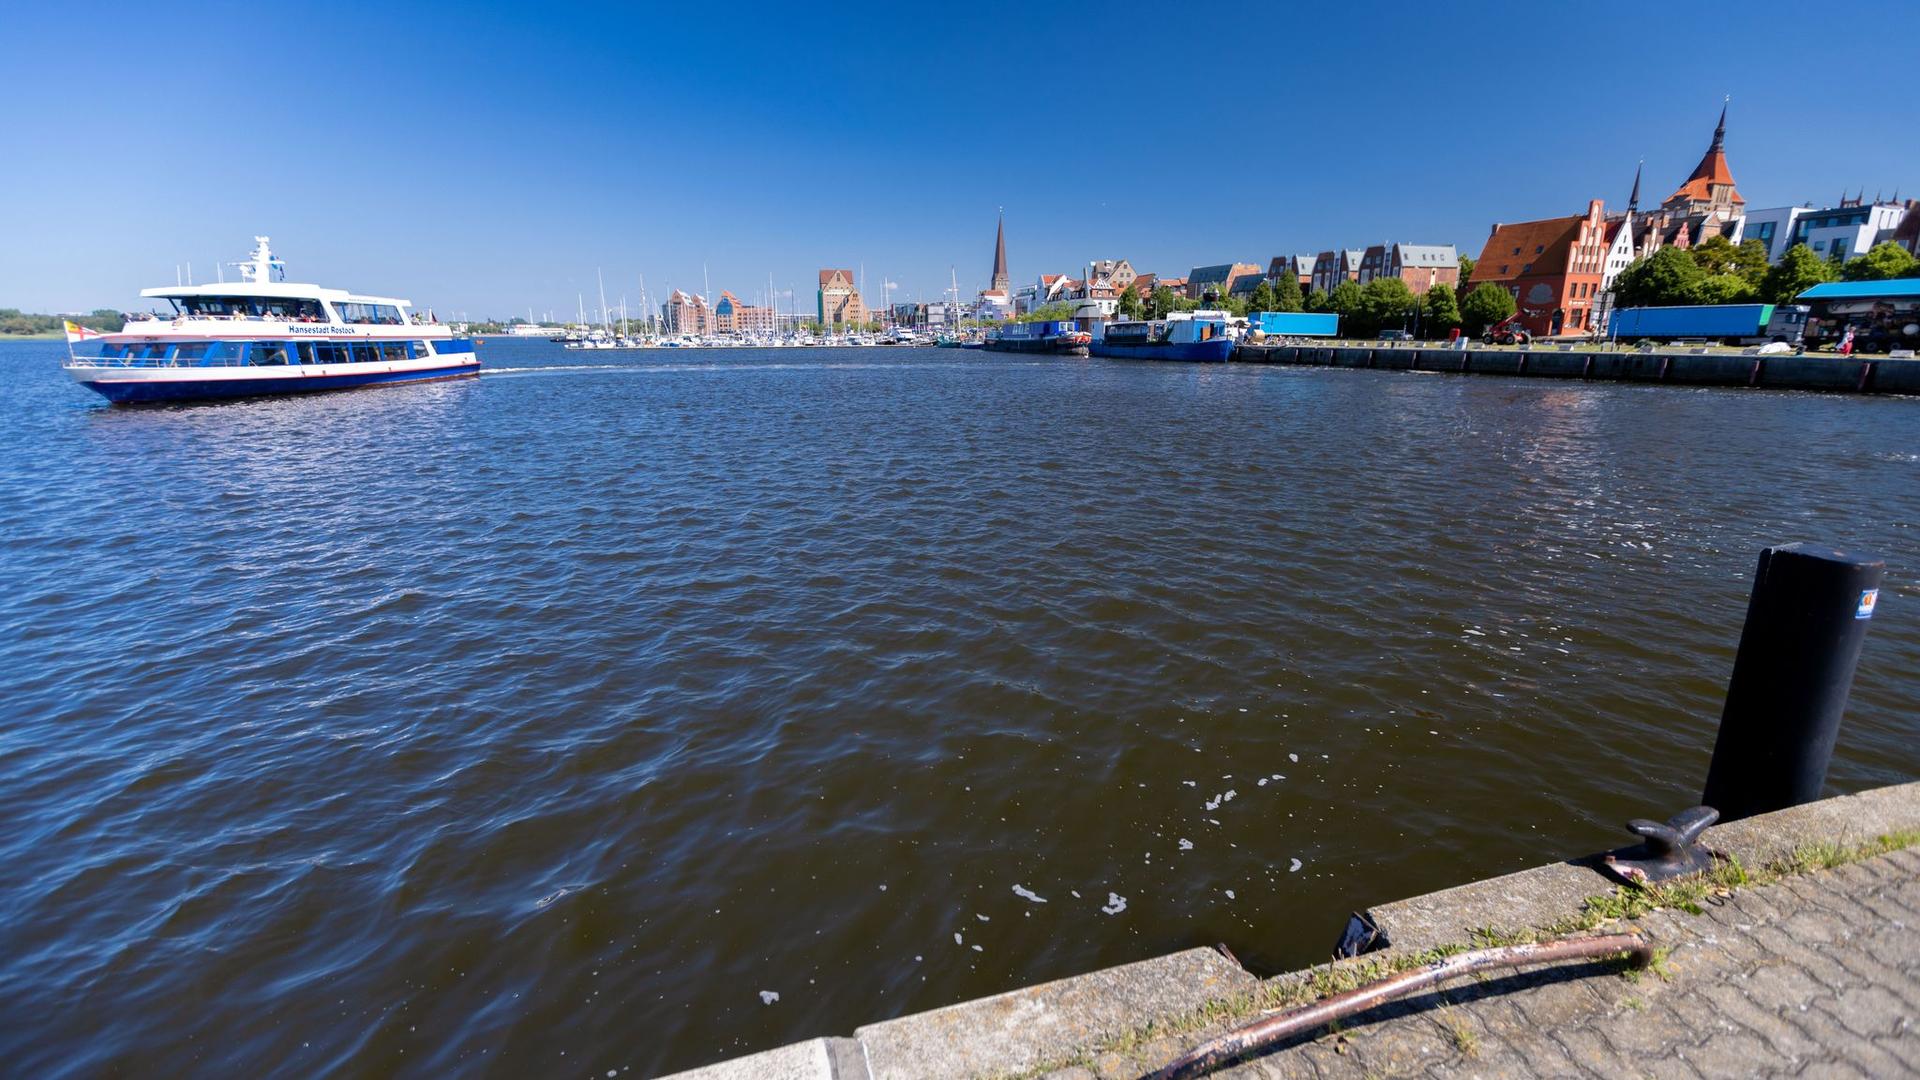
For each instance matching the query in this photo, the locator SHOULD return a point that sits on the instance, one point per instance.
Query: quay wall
(1780, 371)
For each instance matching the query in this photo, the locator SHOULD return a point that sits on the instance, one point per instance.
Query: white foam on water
(1025, 893)
(1115, 904)
(1186, 844)
(1230, 894)
(1295, 868)
(1262, 782)
(977, 948)
(1075, 892)
(1295, 758)
(981, 917)
(768, 997)
(957, 940)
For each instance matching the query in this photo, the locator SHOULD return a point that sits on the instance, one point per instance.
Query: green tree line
(1721, 272)
(16, 322)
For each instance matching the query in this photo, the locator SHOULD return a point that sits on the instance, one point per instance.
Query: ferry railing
(153, 362)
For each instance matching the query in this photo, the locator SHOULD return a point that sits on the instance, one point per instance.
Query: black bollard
(1805, 622)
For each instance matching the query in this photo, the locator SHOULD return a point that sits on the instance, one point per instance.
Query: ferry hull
(1215, 351)
(116, 385)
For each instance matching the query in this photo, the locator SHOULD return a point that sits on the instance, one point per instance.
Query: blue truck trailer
(1295, 323)
(1734, 324)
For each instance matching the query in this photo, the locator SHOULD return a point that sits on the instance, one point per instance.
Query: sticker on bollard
(1868, 598)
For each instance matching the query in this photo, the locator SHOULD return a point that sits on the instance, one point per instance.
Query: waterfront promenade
(1813, 968)
(1678, 367)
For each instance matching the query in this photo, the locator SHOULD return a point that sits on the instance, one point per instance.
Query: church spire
(1633, 200)
(1720, 130)
(1000, 279)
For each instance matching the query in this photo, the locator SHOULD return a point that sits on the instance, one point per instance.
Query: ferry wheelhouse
(264, 335)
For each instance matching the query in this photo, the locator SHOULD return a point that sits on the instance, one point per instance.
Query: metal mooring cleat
(1667, 850)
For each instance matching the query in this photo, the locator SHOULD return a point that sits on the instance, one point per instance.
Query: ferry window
(330, 354)
(269, 354)
(156, 352)
(420, 348)
(365, 354)
(362, 313)
(305, 349)
(191, 352)
(393, 351)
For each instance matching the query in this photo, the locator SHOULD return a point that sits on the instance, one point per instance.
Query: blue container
(1691, 321)
(1297, 323)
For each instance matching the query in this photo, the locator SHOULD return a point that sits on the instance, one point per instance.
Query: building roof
(1000, 252)
(1245, 284)
(1206, 275)
(1542, 244)
(826, 276)
(1711, 171)
(1862, 290)
(1048, 279)
(1425, 255)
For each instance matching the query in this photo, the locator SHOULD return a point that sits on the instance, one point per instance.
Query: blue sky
(489, 158)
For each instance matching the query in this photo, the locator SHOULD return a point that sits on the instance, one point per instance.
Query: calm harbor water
(552, 722)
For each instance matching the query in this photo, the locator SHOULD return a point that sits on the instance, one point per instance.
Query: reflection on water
(559, 719)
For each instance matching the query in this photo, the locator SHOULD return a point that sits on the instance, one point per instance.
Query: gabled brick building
(839, 299)
(1330, 268)
(1552, 268)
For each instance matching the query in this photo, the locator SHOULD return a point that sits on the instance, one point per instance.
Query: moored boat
(262, 336)
(1200, 337)
(1062, 338)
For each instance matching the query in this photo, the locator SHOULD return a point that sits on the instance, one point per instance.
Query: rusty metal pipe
(1256, 1036)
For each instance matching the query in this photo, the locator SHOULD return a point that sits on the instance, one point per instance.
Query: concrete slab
(1548, 894)
(1536, 897)
(1024, 1029)
(815, 1059)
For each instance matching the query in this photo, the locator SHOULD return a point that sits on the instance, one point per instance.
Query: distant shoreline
(51, 335)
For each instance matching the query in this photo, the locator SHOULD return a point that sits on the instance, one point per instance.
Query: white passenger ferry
(264, 336)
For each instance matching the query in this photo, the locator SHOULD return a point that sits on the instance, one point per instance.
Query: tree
(1131, 306)
(1263, 298)
(1161, 302)
(1885, 262)
(1796, 272)
(1723, 289)
(1485, 305)
(1665, 278)
(1385, 303)
(1718, 255)
(1056, 312)
(1443, 310)
(1286, 294)
(1345, 301)
(1466, 270)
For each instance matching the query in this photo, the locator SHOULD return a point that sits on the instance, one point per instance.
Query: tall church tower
(1000, 279)
(1710, 190)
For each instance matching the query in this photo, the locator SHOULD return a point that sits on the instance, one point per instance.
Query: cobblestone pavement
(1815, 976)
